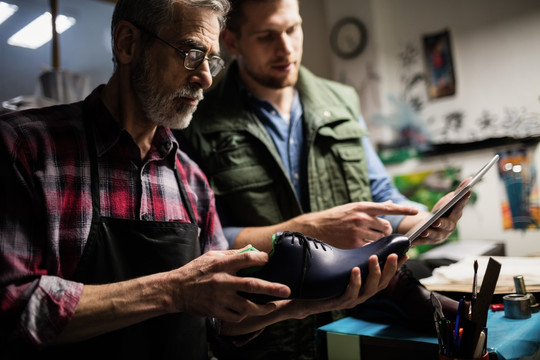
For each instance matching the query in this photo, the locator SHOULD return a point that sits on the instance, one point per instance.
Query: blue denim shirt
(288, 139)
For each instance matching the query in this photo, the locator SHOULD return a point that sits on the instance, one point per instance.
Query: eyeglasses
(193, 58)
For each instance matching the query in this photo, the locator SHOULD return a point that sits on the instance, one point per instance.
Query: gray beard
(163, 109)
(169, 110)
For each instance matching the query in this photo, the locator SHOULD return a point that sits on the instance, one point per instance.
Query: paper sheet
(461, 272)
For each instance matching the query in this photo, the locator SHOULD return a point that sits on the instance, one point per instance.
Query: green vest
(244, 168)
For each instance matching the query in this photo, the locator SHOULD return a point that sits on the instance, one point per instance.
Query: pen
(479, 350)
(458, 325)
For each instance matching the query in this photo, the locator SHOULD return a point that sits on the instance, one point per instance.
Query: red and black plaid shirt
(46, 206)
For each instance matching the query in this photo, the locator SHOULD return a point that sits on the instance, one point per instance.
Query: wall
(316, 53)
(495, 50)
(85, 48)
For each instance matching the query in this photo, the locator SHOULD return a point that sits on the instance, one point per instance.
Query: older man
(106, 227)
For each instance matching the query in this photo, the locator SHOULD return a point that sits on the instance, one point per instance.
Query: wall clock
(348, 37)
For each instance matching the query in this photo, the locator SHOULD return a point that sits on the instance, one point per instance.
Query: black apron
(120, 249)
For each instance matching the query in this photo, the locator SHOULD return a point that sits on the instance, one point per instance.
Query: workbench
(354, 339)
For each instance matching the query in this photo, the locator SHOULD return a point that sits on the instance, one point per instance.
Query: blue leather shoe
(315, 270)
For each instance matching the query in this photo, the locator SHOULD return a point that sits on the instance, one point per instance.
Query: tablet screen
(432, 217)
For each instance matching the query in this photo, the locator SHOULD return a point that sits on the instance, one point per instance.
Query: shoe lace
(305, 241)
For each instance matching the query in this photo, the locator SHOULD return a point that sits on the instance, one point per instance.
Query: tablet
(417, 230)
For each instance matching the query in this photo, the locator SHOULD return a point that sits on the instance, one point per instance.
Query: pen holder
(444, 357)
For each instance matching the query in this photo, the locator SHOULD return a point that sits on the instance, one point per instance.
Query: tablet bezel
(417, 230)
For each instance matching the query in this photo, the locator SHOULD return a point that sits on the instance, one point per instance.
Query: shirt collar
(254, 103)
(109, 133)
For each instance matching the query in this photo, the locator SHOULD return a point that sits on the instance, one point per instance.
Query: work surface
(351, 338)
(458, 277)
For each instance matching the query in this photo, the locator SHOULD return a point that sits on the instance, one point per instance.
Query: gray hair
(155, 14)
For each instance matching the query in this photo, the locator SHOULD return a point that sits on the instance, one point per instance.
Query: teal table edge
(509, 338)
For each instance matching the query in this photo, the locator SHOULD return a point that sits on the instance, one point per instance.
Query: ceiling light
(6, 10)
(39, 31)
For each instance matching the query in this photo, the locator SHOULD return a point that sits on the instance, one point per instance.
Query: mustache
(189, 92)
(283, 60)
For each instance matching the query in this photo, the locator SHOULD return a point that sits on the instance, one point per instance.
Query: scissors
(441, 324)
